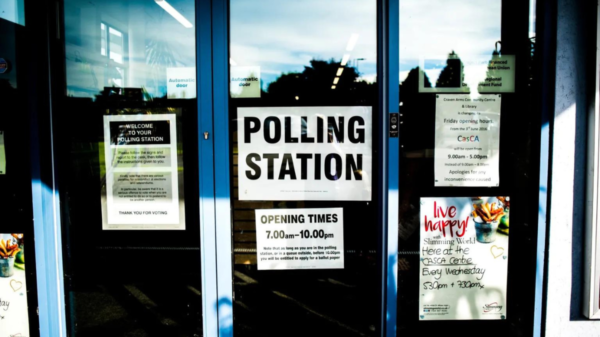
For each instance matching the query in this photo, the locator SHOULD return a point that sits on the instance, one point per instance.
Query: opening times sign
(305, 153)
(463, 258)
(300, 238)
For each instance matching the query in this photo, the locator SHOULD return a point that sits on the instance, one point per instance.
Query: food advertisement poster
(467, 140)
(463, 258)
(300, 238)
(143, 183)
(305, 153)
(14, 318)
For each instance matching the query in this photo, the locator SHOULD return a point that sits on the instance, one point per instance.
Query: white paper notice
(244, 82)
(2, 154)
(14, 316)
(500, 75)
(300, 238)
(141, 162)
(467, 140)
(470, 74)
(464, 259)
(305, 153)
(181, 82)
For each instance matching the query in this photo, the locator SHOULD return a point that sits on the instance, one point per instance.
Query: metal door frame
(387, 74)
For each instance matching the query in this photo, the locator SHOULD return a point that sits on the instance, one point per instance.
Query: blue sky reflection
(282, 39)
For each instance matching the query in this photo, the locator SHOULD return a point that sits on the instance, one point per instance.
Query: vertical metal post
(220, 79)
(546, 34)
(393, 104)
(44, 184)
(387, 77)
(208, 248)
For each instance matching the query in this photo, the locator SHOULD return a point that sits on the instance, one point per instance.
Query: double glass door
(227, 165)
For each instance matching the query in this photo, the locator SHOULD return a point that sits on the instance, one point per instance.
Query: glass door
(303, 129)
(128, 142)
(469, 164)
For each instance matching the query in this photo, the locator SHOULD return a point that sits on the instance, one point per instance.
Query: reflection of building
(124, 44)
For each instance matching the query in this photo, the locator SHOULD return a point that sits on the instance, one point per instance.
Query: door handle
(206, 135)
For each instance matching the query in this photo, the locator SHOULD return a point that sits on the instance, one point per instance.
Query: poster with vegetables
(14, 321)
(463, 258)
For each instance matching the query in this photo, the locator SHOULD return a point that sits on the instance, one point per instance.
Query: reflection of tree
(452, 75)
(314, 85)
(410, 86)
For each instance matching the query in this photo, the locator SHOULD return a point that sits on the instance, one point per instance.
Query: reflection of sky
(13, 11)
(281, 38)
(284, 38)
(431, 29)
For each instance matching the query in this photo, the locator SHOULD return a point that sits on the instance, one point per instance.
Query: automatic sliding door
(303, 119)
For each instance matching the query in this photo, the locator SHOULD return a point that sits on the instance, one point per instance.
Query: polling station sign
(305, 153)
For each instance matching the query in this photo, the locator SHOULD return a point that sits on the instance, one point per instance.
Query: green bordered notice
(2, 154)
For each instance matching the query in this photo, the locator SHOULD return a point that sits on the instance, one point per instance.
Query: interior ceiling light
(345, 59)
(352, 42)
(339, 72)
(336, 80)
(174, 13)
(333, 87)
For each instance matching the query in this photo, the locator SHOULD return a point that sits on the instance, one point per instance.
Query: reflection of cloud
(285, 38)
(427, 28)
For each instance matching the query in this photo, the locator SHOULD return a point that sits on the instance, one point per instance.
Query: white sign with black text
(141, 172)
(305, 153)
(244, 82)
(467, 140)
(300, 238)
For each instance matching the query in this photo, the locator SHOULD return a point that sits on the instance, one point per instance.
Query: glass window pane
(115, 39)
(103, 39)
(132, 242)
(148, 43)
(13, 11)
